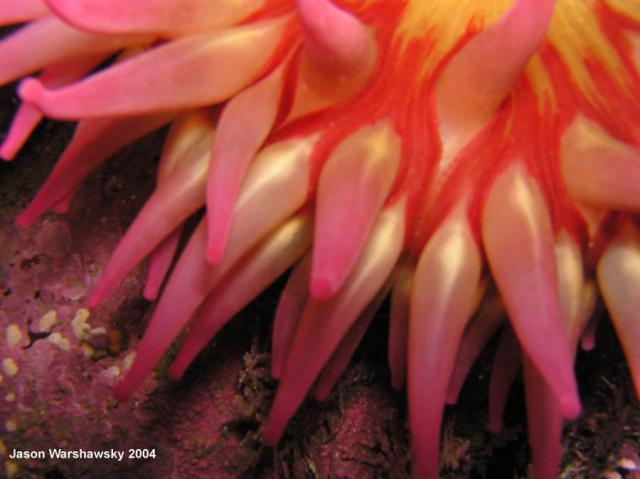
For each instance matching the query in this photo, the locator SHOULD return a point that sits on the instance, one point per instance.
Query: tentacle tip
(352, 48)
(176, 371)
(93, 300)
(452, 395)
(587, 344)
(215, 253)
(150, 293)
(25, 220)
(322, 394)
(7, 153)
(570, 406)
(397, 381)
(271, 434)
(397, 384)
(122, 391)
(495, 426)
(322, 288)
(61, 209)
(32, 91)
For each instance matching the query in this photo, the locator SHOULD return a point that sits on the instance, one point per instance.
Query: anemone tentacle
(478, 160)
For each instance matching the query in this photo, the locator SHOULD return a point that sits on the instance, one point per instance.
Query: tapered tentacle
(515, 218)
(352, 188)
(480, 330)
(336, 45)
(181, 74)
(544, 424)
(339, 360)
(276, 186)
(324, 323)
(618, 277)
(267, 174)
(598, 169)
(93, 142)
(335, 41)
(476, 80)
(244, 125)
(27, 117)
(24, 122)
(51, 41)
(290, 308)
(186, 289)
(159, 263)
(245, 281)
(158, 17)
(506, 365)
(577, 296)
(445, 281)
(544, 416)
(588, 339)
(176, 197)
(399, 322)
(19, 11)
(179, 192)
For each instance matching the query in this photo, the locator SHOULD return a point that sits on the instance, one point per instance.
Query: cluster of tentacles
(475, 159)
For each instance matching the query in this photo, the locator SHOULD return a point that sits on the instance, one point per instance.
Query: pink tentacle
(339, 360)
(515, 218)
(352, 188)
(181, 74)
(324, 323)
(244, 125)
(506, 364)
(20, 11)
(93, 142)
(159, 264)
(50, 41)
(544, 420)
(27, 117)
(157, 17)
(263, 265)
(290, 308)
(478, 333)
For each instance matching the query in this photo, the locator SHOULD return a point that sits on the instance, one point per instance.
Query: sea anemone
(459, 156)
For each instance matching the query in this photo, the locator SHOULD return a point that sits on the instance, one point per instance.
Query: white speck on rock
(79, 324)
(60, 341)
(48, 320)
(14, 335)
(10, 367)
(98, 330)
